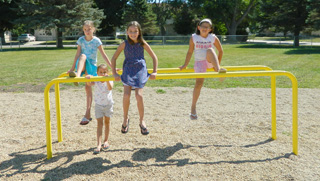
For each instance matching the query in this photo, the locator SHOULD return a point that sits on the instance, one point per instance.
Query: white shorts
(102, 111)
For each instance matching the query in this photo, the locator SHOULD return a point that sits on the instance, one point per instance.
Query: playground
(230, 140)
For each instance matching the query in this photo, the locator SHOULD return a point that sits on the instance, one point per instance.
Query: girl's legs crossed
(196, 94)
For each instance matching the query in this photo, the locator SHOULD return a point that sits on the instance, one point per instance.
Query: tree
(7, 15)
(113, 10)
(314, 14)
(163, 9)
(58, 14)
(231, 12)
(140, 10)
(286, 15)
(184, 23)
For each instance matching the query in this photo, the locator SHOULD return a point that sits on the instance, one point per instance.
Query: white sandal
(193, 116)
(85, 121)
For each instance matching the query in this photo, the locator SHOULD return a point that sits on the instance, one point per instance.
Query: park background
(230, 140)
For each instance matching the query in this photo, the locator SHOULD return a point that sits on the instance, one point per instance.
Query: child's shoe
(73, 75)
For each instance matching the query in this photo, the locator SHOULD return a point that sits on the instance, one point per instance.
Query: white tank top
(102, 96)
(201, 45)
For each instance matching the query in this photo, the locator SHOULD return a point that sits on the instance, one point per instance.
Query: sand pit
(229, 141)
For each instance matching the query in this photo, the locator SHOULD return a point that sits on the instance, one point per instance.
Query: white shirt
(201, 45)
(102, 96)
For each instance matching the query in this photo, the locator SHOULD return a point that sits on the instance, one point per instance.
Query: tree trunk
(59, 42)
(296, 38)
(163, 30)
(3, 40)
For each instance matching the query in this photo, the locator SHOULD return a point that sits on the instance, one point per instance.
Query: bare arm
(75, 59)
(104, 55)
(189, 54)
(114, 61)
(110, 85)
(218, 46)
(154, 59)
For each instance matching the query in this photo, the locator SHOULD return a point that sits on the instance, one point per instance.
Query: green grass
(37, 66)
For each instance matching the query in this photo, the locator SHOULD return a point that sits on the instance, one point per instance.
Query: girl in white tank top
(202, 43)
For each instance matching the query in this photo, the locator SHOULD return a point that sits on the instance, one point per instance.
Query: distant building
(7, 36)
(45, 35)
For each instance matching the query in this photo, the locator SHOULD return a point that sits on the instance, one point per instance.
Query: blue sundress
(135, 73)
(90, 49)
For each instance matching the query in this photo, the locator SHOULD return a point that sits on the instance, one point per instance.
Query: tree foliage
(164, 10)
(184, 21)
(58, 14)
(314, 14)
(7, 16)
(141, 11)
(285, 15)
(232, 12)
(113, 11)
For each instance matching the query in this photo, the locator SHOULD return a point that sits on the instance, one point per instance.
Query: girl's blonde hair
(88, 23)
(104, 66)
(140, 37)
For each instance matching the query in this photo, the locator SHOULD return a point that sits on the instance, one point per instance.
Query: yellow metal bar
(177, 70)
(58, 110)
(273, 109)
(185, 76)
(48, 123)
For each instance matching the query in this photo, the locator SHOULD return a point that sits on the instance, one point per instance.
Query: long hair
(140, 37)
(204, 21)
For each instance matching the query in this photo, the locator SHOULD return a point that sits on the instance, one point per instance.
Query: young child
(135, 74)
(85, 62)
(103, 107)
(202, 43)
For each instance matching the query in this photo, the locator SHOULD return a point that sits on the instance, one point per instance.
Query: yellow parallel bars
(272, 74)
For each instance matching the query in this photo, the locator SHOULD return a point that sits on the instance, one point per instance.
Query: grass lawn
(37, 66)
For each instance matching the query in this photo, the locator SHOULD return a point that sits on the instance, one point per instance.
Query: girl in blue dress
(135, 74)
(85, 62)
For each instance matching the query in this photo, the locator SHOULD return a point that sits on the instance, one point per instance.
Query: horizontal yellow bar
(181, 76)
(177, 70)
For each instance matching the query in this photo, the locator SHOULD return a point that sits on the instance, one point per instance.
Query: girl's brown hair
(140, 37)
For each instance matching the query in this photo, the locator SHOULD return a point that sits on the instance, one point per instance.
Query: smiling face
(133, 33)
(88, 30)
(204, 28)
(102, 71)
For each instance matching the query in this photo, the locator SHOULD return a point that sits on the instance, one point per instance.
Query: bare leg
(106, 131)
(213, 58)
(89, 101)
(196, 94)
(81, 64)
(126, 104)
(99, 133)
(140, 105)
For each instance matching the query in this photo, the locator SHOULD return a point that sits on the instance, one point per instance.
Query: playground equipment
(175, 73)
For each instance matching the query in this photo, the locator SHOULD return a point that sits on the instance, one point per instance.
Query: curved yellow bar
(272, 74)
